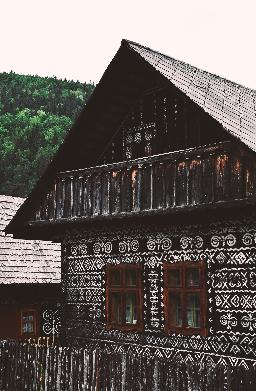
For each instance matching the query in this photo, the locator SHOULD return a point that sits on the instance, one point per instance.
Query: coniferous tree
(35, 114)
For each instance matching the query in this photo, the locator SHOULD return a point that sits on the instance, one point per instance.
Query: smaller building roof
(25, 261)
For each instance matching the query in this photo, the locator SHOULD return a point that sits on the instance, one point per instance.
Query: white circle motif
(108, 247)
(134, 245)
(231, 240)
(166, 244)
(199, 242)
(122, 247)
(247, 239)
(96, 247)
(184, 242)
(151, 244)
(215, 241)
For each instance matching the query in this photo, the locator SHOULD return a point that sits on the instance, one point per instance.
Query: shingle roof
(25, 261)
(231, 104)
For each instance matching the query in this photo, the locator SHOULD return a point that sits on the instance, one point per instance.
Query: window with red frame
(124, 297)
(185, 298)
(28, 322)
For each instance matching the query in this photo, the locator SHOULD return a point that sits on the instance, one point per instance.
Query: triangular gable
(231, 104)
(133, 69)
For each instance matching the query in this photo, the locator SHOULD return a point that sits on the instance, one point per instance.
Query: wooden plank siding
(196, 176)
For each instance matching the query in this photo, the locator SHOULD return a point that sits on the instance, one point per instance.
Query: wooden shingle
(231, 104)
(25, 261)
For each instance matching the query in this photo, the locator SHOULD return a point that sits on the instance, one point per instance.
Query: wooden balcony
(163, 183)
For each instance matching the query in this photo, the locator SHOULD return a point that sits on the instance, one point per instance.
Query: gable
(133, 70)
(231, 104)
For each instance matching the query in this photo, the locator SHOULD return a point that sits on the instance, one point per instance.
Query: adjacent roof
(25, 261)
(231, 104)
(134, 69)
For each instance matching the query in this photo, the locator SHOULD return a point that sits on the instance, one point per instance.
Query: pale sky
(77, 39)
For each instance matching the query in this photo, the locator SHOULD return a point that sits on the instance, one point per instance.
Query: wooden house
(152, 195)
(29, 281)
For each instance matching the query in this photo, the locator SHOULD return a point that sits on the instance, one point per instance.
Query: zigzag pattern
(231, 280)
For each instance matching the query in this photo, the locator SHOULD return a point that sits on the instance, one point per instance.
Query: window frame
(183, 266)
(34, 313)
(138, 289)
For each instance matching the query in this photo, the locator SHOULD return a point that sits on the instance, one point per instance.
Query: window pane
(131, 308)
(115, 277)
(175, 318)
(24, 328)
(28, 327)
(192, 277)
(26, 316)
(115, 308)
(130, 277)
(174, 277)
(193, 310)
(27, 322)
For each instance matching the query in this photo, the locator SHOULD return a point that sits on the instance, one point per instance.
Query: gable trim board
(132, 70)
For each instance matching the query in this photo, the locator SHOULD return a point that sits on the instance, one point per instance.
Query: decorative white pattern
(51, 322)
(231, 282)
(249, 321)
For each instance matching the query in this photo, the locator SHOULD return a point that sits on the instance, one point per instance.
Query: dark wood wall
(15, 299)
(10, 325)
(161, 121)
(228, 248)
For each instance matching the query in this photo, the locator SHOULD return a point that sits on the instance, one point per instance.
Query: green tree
(35, 115)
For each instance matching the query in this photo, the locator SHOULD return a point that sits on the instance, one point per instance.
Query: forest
(35, 115)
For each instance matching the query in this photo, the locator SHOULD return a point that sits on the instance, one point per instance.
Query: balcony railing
(192, 177)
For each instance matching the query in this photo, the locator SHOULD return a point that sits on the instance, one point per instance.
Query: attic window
(124, 297)
(185, 298)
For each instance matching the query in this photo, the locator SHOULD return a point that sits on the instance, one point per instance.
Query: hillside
(35, 114)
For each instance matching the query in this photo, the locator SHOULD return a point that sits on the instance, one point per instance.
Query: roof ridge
(129, 43)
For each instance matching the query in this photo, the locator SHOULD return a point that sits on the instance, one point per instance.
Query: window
(185, 298)
(124, 297)
(28, 322)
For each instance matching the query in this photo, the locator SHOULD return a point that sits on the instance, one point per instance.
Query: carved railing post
(188, 179)
(96, 194)
(79, 211)
(115, 191)
(136, 187)
(125, 190)
(105, 193)
(195, 180)
(151, 186)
